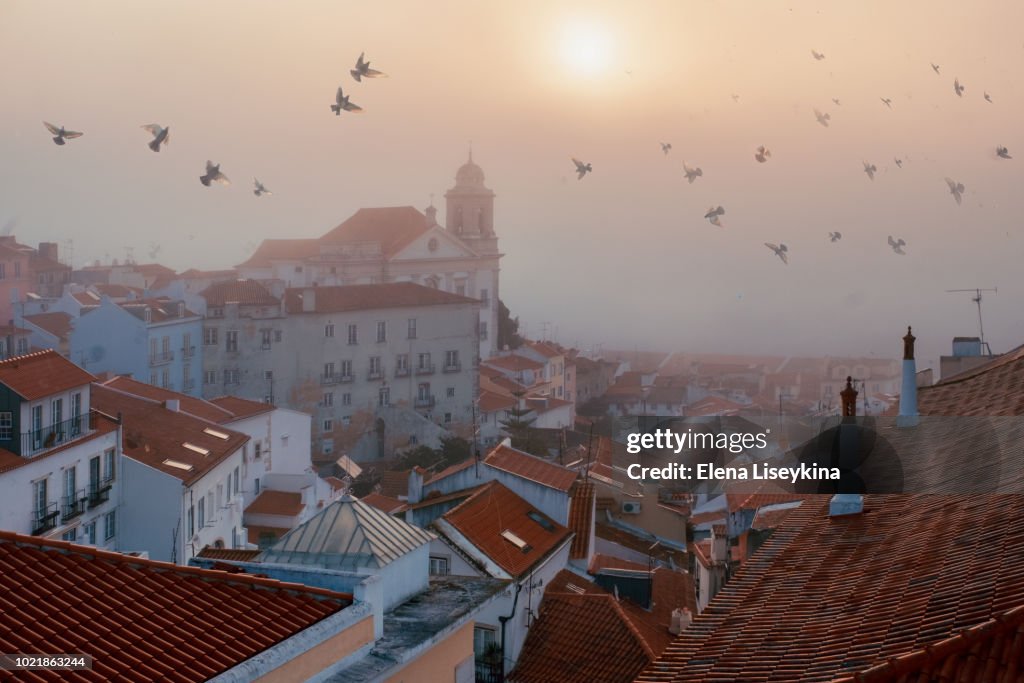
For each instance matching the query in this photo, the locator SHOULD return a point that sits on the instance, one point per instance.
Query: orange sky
(622, 258)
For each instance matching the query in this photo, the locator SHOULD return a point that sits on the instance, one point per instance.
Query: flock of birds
(762, 154)
(162, 134)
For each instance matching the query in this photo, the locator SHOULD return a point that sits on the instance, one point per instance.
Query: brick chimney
(848, 445)
(48, 250)
(908, 416)
(849, 399)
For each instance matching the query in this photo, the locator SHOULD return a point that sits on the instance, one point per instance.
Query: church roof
(393, 227)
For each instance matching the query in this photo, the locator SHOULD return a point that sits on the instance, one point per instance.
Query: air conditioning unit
(631, 508)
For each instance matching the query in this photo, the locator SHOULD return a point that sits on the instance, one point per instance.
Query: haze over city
(623, 257)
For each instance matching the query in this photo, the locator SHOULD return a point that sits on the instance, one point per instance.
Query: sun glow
(586, 48)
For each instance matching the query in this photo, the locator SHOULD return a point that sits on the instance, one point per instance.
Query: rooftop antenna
(977, 299)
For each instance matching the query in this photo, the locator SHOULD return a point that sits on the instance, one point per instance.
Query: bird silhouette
(213, 175)
(823, 119)
(666, 147)
(886, 101)
(780, 251)
(260, 188)
(582, 169)
(897, 245)
(899, 162)
(762, 154)
(817, 55)
(691, 173)
(935, 67)
(161, 135)
(713, 215)
(870, 170)
(988, 98)
(835, 236)
(956, 189)
(957, 88)
(836, 100)
(363, 70)
(343, 103)
(1003, 153)
(61, 134)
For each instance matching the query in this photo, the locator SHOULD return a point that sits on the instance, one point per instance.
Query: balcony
(55, 435)
(452, 367)
(188, 385)
(99, 493)
(375, 373)
(335, 378)
(161, 358)
(402, 371)
(188, 351)
(73, 506)
(427, 369)
(44, 519)
(425, 401)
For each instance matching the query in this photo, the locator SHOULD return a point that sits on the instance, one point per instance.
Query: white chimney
(681, 620)
(172, 404)
(908, 416)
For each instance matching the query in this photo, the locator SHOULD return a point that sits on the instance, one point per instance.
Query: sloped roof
(143, 620)
(56, 323)
(242, 292)
(284, 503)
(393, 227)
(188, 404)
(382, 503)
(282, 250)
(581, 519)
(343, 298)
(42, 373)
(513, 363)
(348, 534)
(240, 408)
(995, 388)
(530, 467)
(831, 597)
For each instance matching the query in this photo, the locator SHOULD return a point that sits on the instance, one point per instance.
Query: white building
(400, 244)
(59, 458)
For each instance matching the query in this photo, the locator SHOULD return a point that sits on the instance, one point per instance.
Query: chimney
(846, 455)
(172, 405)
(681, 620)
(48, 250)
(849, 399)
(908, 416)
(308, 300)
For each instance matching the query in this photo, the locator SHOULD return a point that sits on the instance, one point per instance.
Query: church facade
(402, 244)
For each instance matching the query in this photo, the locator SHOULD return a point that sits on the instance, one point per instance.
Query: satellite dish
(97, 353)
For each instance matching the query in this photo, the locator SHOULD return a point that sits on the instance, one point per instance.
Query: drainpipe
(504, 620)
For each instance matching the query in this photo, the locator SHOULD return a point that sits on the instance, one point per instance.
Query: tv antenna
(977, 299)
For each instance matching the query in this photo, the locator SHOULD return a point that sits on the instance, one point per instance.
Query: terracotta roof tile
(394, 484)
(531, 467)
(581, 519)
(55, 322)
(162, 621)
(495, 510)
(242, 292)
(282, 250)
(284, 503)
(198, 407)
(392, 227)
(40, 374)
(383, 503)
(491, 402)
(628, 539)
(995, 388)
(231, 554)
(340, 299)
(828, 598)
(240, 408)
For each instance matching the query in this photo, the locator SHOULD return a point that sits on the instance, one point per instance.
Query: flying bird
(886, 101)
(897, 245)
(61, 134)
(780, 251)
(735, 98)
(260, 188)
(363, 70)
(666, 147)
(161, 135)
(899, 162)
(342, 102)
(957, 88)
(836, 100)
(762, 154)
(956, 189)
(582, 169)
(691, 173)
(712, 215)
(213, 175)
(817, 55)
(988, 98)
(870, 170)
(935, 67)
(823, 119)
(1003, 153)
(835, 236)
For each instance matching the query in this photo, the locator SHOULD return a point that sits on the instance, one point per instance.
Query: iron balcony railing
(188, 351)
(453, 367)
(161, 358)
(373, 373)
(73, 506)
(425, 401)
(44, 518)
(37, 440)
(426, 369)
(99, 493)
(402, 371)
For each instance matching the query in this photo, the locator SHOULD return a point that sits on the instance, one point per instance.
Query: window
(384, 397)
(70, 484)
(89, 533)
(329, 330)
(450, 392)
(346, 420)
(268, 375)
(423, 392)
(231, 340)
(424, 361)
(265, 339)
(328, 425)
(37, 426)
(460, 289)
(109, 525)
(70, 535)
(165, 347)
(382, 331)
(186, 344)
(278, 336)
(210, 377)
(353, 337)
(346, 399)
(483, 330)
(439, 566)
(484, 298)
(210, 336)
(375, 365)
(447, 418)
(402, 363)
(6, 426)
(231, 377)
(56, 411)
(346, 368)
(327, 447)
(17, 269)
(257, 450)
(256, 486)
(202, 512)
(328, 399)
(165, 378)
(412, 328)
(94, 472)
(328, 370)
(451, 359)
(234, 482)
(40, 496)
(483, 639)
(22, 346)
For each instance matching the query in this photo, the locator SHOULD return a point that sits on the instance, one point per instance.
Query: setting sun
(586, 48)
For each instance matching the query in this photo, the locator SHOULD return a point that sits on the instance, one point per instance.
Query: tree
(508, 328)
(519, 429)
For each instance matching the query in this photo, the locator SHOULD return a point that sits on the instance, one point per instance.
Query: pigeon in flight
(343, 103)
(817, 55)
(956, 189)
(886, 101)
(666, 147)
(60, 134)
(988, 98)
(870, 169)
(582, 169)
(1003, 153)
(835, 236)
(957, 88)
(836, 100)
(780, 251)
(261, 189)
(363, 70)
(897, 245)
(691, 173)
(735, 98)
(899, 162)
(823, 119)
(712, 215)
(161, 135)
(762, 154)
(213, 175)
(935, 67)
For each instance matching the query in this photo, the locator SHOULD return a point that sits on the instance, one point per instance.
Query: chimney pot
(908, 416)
(849, 399)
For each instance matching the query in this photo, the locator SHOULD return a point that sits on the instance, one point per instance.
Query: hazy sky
(623, 257)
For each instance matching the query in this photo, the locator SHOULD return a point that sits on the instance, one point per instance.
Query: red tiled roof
(56, 323)
(995, 388)
(198, 407)
(255, 534)
(143, 620)
(531, 467)
(282, 250)
(545, 349)
(160, 309)
(713, 405)
(494, 509)
(240, 408)
(340, 299)
(40, 374)
(831, 597)
(242, 292)
(491, 402)
(394, 484)
(117, 291)
(767, 493)
(230, 554)
(642, 545)
(602, 561)
(436, 497)
(711, 516)
(382, 503)
(284, 503)
(393, 227)
(514, 363)
(451, 469)
(581, 519)
(771, 516)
